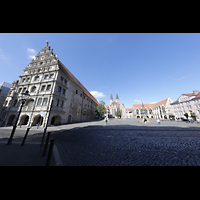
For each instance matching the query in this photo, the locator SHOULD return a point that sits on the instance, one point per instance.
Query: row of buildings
(186, 103)
(52, 85)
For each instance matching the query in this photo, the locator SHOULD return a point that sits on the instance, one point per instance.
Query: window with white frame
(45, 102)
(46, 76)
(37, 78)
(39, 102)
(48, 87)
(33, 89)
(43, 88)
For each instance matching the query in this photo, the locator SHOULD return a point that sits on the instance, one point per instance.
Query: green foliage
(118, 113)
(101, 108)
(192, 115)
(171, 116)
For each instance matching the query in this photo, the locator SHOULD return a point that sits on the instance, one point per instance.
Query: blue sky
(138, 66)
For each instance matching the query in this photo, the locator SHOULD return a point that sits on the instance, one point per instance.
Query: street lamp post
(23, 100)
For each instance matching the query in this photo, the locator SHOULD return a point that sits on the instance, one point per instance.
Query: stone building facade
(4, 89)
(160, 110)
(47, 79)
(188, 102)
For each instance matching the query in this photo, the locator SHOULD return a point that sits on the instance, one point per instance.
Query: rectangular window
(79, 111)
(5, 103)
(43, 88)
(45, 102)
(28, 79)
(61, 78)
(48, 87)
(15, 103)
(51, 75)
(61, 103)
(39, 102)
(23, 80)
(63, 91)
(57, 102)
(59, 89)
(76, 91)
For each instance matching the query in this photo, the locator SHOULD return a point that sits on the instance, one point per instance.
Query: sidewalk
(27, 155)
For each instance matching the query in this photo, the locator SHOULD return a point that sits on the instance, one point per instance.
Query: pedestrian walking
(106, 120)
(145, 120)
(158, 120)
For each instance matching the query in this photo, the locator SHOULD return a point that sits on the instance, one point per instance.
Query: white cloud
(97, 94)
(2, 55)
(136, 100)
(179, 79)
(31, 53)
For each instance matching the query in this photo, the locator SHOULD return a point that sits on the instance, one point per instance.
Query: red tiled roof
(76, 81)
(151, 104)
(129, 109)
(174, 102)
(114, 103)
(195, 92)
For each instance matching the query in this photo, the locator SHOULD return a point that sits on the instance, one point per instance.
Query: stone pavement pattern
(27, 155)
(89, 147)
(119, 143)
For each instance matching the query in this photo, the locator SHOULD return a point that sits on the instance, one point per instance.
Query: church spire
(111, 99)
(117, 98)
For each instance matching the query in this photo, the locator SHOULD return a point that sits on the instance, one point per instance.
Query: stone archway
(37, 119)
(11, 120)
(56, 120)
(24, 120)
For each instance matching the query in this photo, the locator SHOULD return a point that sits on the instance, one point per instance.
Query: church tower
(111, 99)
(117, 98)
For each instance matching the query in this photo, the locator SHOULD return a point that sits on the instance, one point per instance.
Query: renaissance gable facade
(160, 110)
(47, 79)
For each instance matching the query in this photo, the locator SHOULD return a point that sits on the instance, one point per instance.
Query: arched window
(33, 89)
(37, 78)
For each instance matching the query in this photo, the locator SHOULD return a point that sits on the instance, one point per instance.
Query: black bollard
(25, 136)
(46, 144)
(50, 152)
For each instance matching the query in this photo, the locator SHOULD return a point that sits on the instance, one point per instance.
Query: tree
(118, 113)
(171, 116)
(192, 115)
(101, 108)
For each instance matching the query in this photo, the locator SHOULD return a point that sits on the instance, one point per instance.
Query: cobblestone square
(119, 143)
(128, 145)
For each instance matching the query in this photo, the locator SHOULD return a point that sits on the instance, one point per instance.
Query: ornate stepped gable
(48, 58)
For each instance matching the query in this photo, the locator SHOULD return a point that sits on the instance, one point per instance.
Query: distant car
(184, 119)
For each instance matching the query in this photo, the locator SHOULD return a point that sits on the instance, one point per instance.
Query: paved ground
(120, 142)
